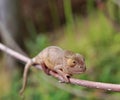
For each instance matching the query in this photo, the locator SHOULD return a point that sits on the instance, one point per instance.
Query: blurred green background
(89, 27)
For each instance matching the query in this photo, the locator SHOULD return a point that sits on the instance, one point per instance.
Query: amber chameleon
(65, 63)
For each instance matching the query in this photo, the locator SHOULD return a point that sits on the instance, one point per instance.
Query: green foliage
(13, 94)
(90, 6)
(68, 11)
(39, 43)
(36, 42)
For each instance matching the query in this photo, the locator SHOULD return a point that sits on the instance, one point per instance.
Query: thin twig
(89, 84)
(13, 53)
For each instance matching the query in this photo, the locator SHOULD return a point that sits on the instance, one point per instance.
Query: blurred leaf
(35, 46)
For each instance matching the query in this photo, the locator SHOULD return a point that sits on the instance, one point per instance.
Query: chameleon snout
(83, 68)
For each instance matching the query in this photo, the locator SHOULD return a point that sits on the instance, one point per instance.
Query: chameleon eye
(71, 62)
(74, 62)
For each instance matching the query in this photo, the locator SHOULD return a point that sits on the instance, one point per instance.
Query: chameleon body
(65, 63)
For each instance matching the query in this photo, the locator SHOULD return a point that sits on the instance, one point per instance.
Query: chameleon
(53, 58)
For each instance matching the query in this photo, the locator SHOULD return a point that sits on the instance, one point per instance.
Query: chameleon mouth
(77, 71)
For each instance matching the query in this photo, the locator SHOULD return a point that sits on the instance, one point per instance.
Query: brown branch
(89, 84)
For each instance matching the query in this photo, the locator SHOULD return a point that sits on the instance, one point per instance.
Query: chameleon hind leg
(45, 69)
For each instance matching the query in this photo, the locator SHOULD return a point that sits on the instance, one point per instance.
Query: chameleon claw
(66, 78)
(61, 81)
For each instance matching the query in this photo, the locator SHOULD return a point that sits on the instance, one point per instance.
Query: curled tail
(25, 75)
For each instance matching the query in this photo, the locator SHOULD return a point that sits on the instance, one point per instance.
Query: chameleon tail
(25, 75)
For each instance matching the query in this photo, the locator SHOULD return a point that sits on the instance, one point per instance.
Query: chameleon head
(75, 64)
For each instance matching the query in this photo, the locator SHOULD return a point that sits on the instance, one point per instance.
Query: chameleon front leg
(65, 76)
(43, 66)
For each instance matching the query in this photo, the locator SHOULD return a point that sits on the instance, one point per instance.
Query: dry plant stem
(90, 84)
